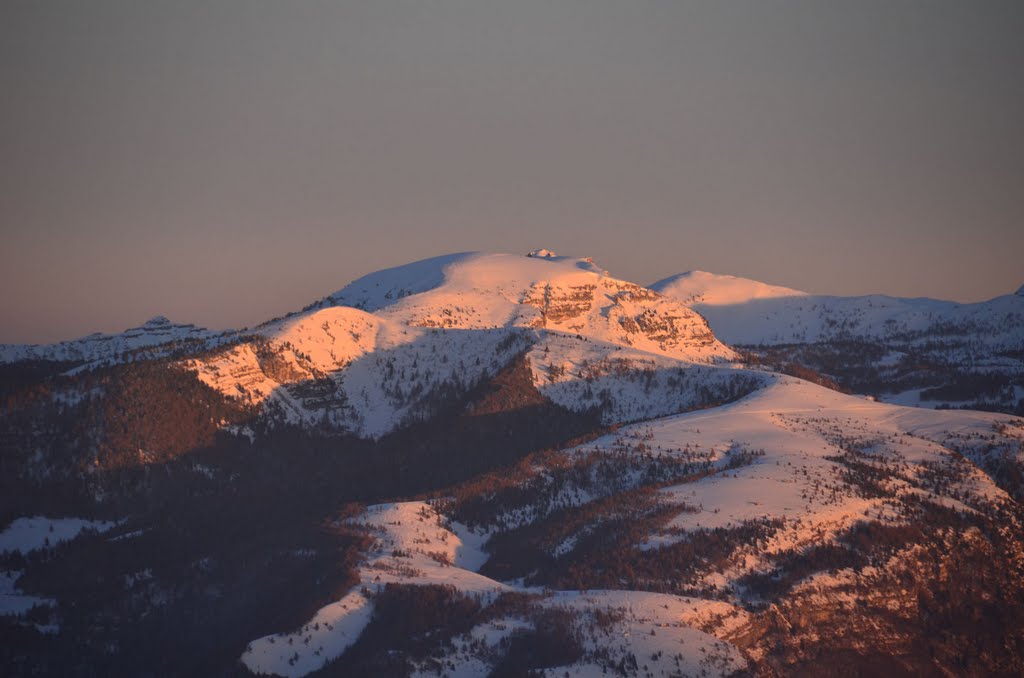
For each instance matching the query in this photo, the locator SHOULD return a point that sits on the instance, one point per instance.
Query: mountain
(701, 287)
(156, 333)
(908, 351)
(495, 464)
(365, 359)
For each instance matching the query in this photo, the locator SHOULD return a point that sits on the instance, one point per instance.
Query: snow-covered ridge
(747, 312)
(383, 288)
(155, 332)
(999, 321)
(701, 287)
(460, 272)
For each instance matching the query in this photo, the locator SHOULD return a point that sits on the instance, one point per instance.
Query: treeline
(870, 367)
(415, 626)
(942, 597)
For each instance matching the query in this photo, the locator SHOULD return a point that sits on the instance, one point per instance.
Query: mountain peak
(701, 287)
(157, 321)
(463, 271)
(1020, 292)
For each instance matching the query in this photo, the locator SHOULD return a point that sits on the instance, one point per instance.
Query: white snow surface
(461, 273)
(29, 534)
(325, 637)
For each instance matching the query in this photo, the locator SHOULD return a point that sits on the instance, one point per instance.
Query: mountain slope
(710, 542)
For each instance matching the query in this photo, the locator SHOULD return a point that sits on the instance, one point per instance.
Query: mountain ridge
(911, 351)
(386, 287)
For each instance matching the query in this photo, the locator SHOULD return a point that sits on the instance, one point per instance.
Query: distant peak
(542, 254)
(157, 321)
(702, 287)
(1020, 292)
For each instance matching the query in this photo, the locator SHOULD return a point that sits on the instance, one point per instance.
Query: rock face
(625, 314)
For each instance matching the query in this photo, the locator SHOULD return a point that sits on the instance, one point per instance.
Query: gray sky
(222, 163)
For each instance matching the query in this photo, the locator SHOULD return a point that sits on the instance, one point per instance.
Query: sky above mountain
(221, 163)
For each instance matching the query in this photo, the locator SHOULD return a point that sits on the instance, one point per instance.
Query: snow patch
(13, 602)
(29, 534)
(323, 638)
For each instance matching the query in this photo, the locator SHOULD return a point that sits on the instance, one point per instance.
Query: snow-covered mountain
(477, 291)
(748, 312)
(381, 351)
(598, 484)
(155, 333)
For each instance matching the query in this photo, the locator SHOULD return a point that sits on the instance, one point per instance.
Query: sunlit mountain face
(497, 464)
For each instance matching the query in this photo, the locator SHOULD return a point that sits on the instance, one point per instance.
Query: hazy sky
(224, 162)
